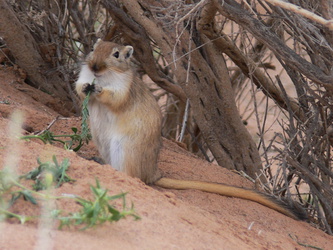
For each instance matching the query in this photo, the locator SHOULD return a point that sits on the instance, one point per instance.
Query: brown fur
(126, 124)
(129, 107)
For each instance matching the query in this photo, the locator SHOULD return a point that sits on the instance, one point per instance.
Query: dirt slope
(170, 219)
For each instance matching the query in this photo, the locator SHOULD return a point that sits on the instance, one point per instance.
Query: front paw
(91, 88)
(98, 89)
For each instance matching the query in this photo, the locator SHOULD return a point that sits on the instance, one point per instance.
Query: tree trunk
(203, 76)
(212, 100)
(26, 53)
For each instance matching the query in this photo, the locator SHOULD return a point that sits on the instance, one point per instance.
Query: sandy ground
(170, 219)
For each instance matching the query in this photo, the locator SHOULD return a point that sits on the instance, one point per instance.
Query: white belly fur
(109, 141)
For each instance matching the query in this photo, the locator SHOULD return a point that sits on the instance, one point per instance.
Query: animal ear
(128, 51)
(115, 52)
(97, 42)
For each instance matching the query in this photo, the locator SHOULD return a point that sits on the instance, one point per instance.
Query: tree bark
(232, 10)
(136, 35)
(26, 53)
(203, 75)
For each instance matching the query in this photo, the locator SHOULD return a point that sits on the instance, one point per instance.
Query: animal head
(108, 57)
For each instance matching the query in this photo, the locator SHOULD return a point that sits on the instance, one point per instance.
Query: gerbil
(125, 119)
(125, 122)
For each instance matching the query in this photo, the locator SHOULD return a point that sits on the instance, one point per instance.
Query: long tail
(291, 210)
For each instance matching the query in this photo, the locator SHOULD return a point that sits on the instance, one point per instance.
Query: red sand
(170, 219)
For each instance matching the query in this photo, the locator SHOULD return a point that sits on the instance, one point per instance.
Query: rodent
(125, 122)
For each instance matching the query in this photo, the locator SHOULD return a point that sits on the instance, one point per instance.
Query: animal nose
(95, 67)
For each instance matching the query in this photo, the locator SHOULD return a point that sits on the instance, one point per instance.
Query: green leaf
(57, 170)
(99, 210)
(28, 196)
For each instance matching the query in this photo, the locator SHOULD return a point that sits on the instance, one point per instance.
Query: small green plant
(76, 140)
(45, 175)
(303, 244)
(5, 102)
(10, 191)
(57, 171)
(98, 211)
(49, 174)
(85, 131)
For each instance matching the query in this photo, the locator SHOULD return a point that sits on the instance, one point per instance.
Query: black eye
(116, 54)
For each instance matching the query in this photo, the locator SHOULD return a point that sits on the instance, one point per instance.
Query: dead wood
(25, 50)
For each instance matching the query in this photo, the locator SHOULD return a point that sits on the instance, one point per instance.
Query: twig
(303, 12)
(187, 108)
(260, 31)
(195, 8)
(185, 54)
(304, 245)
(50, 125)
(314, 179)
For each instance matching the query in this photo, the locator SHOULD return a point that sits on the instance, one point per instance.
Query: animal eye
(116, 54)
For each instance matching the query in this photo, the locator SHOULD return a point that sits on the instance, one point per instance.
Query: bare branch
(140, 41)
(235, 12)
(299, 10)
